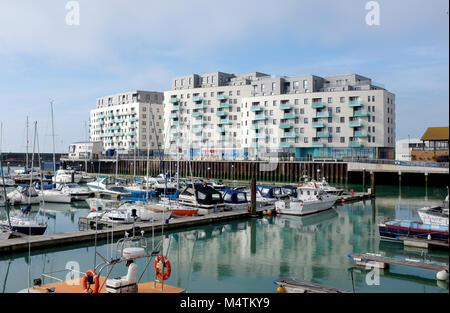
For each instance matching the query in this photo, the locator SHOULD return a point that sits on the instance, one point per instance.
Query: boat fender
(161, 263)
(89, 278)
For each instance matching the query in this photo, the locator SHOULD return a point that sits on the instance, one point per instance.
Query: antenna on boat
(53, 136)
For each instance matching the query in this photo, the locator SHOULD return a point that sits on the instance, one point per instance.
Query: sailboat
(22, 223)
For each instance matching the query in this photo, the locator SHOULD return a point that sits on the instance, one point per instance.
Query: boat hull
(394, 231)
(300, 208)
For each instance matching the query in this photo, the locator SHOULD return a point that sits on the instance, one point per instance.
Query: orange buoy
(91, 273)
(161, 262)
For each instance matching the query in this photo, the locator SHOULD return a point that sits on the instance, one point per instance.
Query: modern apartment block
(242, 115)
(129, 121)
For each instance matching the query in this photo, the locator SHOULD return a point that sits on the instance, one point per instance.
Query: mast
(26, 162)
(3, 179)
(53, 136)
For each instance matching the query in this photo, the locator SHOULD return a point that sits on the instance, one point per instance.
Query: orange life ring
(300, 184)
(160, 273)
(91, 273)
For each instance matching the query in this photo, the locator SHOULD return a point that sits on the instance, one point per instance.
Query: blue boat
(235, 199)
(272, 192)
(405, 228)
(289, 190)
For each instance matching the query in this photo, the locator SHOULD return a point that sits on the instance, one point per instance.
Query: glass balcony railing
(318, 125)
(285, 126)
(289, 135)
(226, 105)
(323, 135)
(197, 99)
(360, 134)
(289, 116)
(355, 124)
(261, 136)
(318, 105)
(285, 106)
(197, 114)
(255, 126)
(260, 118)
(221, 113)
(360, 114)
(355, 104)
(355, 144)
(221, 97)
(174, 100)
(225, 122)
(199, 107)
(256, 108)
(318, 145)
(323, 114)
(285, 145)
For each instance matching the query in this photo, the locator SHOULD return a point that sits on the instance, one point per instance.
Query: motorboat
(146, 212)
(8, 182)
(405, 228)
(24, 194)
(235, 199)
(85, 177)
(67, 176)
(310, 200)
(75, 191)
(323, 184)
(205, 198)
(178, 210)
(107, 184)
(218, 184)
(435, 214)
(290, 190)
(24, 223)
(55, 196)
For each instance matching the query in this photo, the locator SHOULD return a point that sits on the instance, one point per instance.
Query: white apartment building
(129, 121)
(241, 115)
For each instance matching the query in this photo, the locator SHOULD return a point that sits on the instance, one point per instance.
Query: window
(330, 100)
(368, 98)
(342, 139)
(373, 98)
(296, 85)
(342, 119)
(302, 130)
(342, 99)
(296, 101)
(338, 129)
(305, 101)
(302, 111)
(330, 139)
(305, 120)
(373, 139)
(238, 92)
(338, 109)
(305, 140)
(305, 84)
(274, 103)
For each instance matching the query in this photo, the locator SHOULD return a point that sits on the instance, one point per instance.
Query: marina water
(247, 255)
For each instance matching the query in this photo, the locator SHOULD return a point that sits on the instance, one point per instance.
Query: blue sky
(127, 45)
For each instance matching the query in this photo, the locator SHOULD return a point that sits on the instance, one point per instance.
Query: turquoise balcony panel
(101, 123)
(119, 134)
(175, 123)
(109, 115)
(285, 145)
(260, 118)
(360, 134)
(355, 144)
(318, 145)
(220, 129)
(355, 104)
(323, 135)
(290, 116)
(285, 126)
(174, 100)
(108, 141)
(360, 114)
(133, 119)
(119, 120)
(285, 106)
(221, 113)
(199, 122)
(199, 107)
(101, 116)
(226, 105)
(221, 97)
(197, 130)
(197, 99)
(131, 147)
(173, 115)
(197, 114)
(256, 108)
(224, 138)
(175, 108)
(174, 131)
(200, 138)
(261, 136)
(255, 126)
(355, 124)
(131, 134)
(318, 105)
(318, 125)
(225, 122)
(289, 135)
(323, 114)
(255, 146)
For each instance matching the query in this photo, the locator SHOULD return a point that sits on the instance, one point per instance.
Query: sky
(46, 52)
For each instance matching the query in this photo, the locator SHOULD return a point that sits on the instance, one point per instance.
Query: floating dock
(423, 243)
(380, 261)
(290, 285)
(13, 245)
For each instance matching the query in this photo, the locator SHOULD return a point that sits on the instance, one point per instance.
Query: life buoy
(162, 263)
(91, 273)
(299, 184)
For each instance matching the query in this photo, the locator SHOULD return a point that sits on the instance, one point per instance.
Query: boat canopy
(234, 196)
(204, 194)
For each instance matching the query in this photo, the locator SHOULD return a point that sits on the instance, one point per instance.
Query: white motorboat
(204, 198)
(435, 214)
(8, 182)
(107, 184)
(235, 199)
(323, 184)
(67, 176)
(74, 190)
(24, 223)
(310, 200)
(24, 194)
(147, 212)
(55, 196)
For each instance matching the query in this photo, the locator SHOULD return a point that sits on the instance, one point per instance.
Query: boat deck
(296, 286)
(75, 286)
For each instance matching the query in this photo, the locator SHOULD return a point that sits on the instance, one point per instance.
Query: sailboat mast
(28, 140)
(53, 136)
(3, 179)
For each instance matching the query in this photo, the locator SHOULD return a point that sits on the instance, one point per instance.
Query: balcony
(173, 115)
(108, 141)
(255, 145)
(360, 113)
(175, 123)
(256, 108)
(197, 99)
(360, 134)
(323, 135)
(131, 147)
(285, 126)
(224, 138)
(355, 124)
(221, 97)
(221, 113)
(318, 125)
(197, 114)
(355, 144)
(220, 129)
(285, 106)
(199, 107)
(199, 122)
(225, 105)
(119, 120)
(113, 128)
(197, 130)
(131, 133)
(255, 126)
(133, 119)
(175, 108)
(285, 145)
(318, 105)
(200, 138)
(318, 144)
(109, 115)
(174, 100)
(323, 114)
(289, 135)
(119, 134)
(101, 116)
(261, 136)
(225, 122)
(260, 117)
(174, 131)
(289, 116)
(355, 104)
(101, 123)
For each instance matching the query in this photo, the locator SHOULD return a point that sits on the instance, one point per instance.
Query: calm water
(247, 255)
